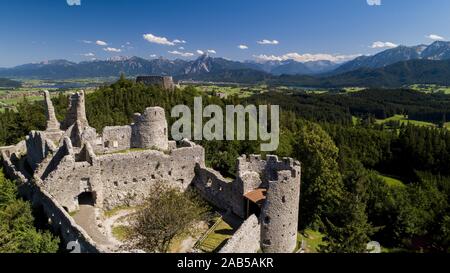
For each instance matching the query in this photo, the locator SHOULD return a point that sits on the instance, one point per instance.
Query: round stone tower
(279, 217)
(151, 129)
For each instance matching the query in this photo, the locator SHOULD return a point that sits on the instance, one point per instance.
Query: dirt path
(109, 224)
(86, 218)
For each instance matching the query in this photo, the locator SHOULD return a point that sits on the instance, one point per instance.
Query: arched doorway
(86, 199)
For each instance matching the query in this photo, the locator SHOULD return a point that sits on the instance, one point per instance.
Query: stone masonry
(118, 167)
(164, 82)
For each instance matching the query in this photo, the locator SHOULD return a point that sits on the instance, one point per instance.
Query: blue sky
(37, 30)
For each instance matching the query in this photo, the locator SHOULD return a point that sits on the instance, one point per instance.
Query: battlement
(267, 168)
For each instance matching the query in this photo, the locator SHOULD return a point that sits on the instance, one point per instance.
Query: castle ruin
(164, 82)
(69, 162)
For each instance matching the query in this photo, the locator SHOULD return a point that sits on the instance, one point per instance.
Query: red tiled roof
(257, 196)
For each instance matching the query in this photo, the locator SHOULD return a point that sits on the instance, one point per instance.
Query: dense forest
(18, 232)
(9, 83)
(343, 194)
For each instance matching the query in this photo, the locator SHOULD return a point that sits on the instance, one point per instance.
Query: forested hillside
(18, 233)
(345, 193)
(9, 83)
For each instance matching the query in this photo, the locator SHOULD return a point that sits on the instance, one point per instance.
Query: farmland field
(241, 91)
(404, 120)
(431, 88)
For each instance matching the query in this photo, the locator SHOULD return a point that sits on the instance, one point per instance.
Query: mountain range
(438, 50)
(61, 69)
(400, 65)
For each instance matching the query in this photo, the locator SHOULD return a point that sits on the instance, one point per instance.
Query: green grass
(73, 213)
(216, 238)
(121, 233)
(355, 120)
(431, 88)
(115, 210)
(392, 182)
(242, 92)
(404, 120)
(16, 100)
(353, 89)
(313, 240)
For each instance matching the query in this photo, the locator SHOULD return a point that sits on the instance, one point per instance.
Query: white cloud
(380, 44)
(305, 57)
(264, 57)
(153, 56)
(268, 42)
(74, 2)
(87, 42)
(101, 43)
(242, 46)
(210, 51)
(435, 37)
(157, 40)
(183, 54)
(181, 48)
(112, 49)
(374, 2)
(90, 54)
(176, 41)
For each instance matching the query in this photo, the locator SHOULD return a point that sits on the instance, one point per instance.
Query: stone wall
(20, 149)
(279, 216)
(38, 148)
(122, 178)
(164, 82)
(60, 221)
(151, 130)
(246, 239)
(213, 187)
(10, 169)
(76, 111)
(116, 138)
(52, 121)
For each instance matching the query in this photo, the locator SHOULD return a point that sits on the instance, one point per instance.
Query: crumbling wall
(116, 138)
(61, 222)
(213, 187)
(246, 239)
(52, 121)
(121, 179)
(76, 111)
(127, 178)
(38, 148)
(10, 169)
(19, 149)
(65, 149)
(70, 179)
(164, 82)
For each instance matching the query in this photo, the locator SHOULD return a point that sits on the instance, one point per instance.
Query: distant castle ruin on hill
(164, 82)
(70, 160)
